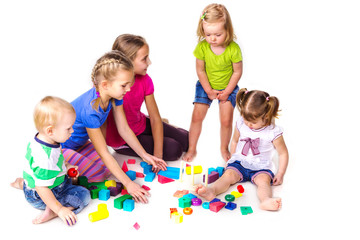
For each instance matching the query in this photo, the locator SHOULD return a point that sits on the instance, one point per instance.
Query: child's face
(256, 124)
(63, 128)
(215, 33)
(142, 60)
(121, 84)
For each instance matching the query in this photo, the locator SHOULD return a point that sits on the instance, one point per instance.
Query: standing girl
(112, 77)
(255, 138)
(157, 138)
(219, 68)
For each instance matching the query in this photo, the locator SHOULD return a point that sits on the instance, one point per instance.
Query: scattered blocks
(217, 206)
(118, 202)
(101, 213)
(104, 194)
(245, 210)
(149, 177)
(128, 205)
(184, 202)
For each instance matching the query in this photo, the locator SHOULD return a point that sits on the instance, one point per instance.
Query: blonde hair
(214, 13)
(129, 44)
(106, 68)
(257, 104)
(49, 110)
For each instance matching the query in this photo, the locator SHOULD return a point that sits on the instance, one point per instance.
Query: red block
(240, 189)
(124, 167)
(145, 187)
(140, 175)
(131, 161)
(217, 206)
(163, 179)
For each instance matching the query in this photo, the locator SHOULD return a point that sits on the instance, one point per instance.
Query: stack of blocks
(214, 174)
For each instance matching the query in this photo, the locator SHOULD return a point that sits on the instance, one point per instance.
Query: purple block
(196, 201)
(213, 176)
(114, 191)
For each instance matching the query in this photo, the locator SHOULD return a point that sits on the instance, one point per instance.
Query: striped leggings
(88, 161)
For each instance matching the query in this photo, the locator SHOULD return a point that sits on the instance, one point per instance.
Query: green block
(118, 202)
(83, 181)
(184, 202)
(94, 193)
(229, 197)
(246, 210)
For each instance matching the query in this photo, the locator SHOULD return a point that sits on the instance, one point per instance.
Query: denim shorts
(202, 97)
(248, 174)
(67, 194)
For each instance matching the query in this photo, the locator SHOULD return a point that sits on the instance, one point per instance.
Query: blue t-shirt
(86, 117)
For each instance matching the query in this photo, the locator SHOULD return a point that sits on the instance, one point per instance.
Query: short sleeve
(199, 51)
(149, 85)
(236, 55)
(239, 123)
(118, 102)
(277, 132)
(90, 119)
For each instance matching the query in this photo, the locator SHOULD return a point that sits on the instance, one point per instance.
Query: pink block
(162, 179)
(145, 187)
(136, 226)
(140, 175)
(131, 161)
(217, 206)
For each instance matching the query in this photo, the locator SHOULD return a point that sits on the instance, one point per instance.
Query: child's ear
(49, 130)
(104, 84)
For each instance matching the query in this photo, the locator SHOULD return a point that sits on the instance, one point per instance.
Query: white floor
(305, 53)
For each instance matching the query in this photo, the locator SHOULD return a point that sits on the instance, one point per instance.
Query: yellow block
(236, 194)
(110, 183)
(177, 217)
(197, 170)
(101, 213)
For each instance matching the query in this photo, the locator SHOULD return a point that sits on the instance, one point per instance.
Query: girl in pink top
(156, 137)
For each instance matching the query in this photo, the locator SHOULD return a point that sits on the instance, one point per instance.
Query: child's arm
(281, 148)
(156, 125)
(128, 135)
(200, 70)
(98, 140)
(234, 141)
(235, 77)
(49, 199)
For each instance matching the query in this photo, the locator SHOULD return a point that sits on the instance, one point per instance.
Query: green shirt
(219, 68)
(44, 164)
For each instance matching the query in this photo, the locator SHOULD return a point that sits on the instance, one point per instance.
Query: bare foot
(205, 192)
(189, 156)
(271, 204)
(18, 183)
(225, 155)
(47, 215)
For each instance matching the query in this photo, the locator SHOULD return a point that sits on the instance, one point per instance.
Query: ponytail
(272, 109)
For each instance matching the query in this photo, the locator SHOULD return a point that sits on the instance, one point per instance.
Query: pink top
(143, 86)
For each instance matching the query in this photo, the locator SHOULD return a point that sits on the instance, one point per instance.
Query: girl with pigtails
(255, 139)
(112, 76)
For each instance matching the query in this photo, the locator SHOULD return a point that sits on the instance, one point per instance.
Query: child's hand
(213, 94)
(278, 179)
(139, 194)
(68, 216)
(157, 163)
(223, 96)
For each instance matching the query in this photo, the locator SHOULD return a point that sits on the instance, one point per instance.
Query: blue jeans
(67, 194)
(202, 97)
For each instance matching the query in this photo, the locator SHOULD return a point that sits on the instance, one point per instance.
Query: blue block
(210, 170)
(104, 194)
(131, 174)
(220, 170)
(150, 177)
(190, 195)
(214, 200)
(230, 206)
(171, 172)
(143, 164)
(128, 205)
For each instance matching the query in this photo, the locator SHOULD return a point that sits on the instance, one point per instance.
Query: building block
(147, 169)
(236, 194)
(114, 191)
(213, 176)
(129, 205)
(180, 193)
(171, 172)
(146, 187)
(163, 179)
(131, 161)
(110, 183)
(104, 194)
(196, 201)
(124, 167)
(230, 198)
(100, 214)
(94, 193)
(230, 206)
(245, 210)
(217, 206)
(131, 174)
(190, 195)
(172, 210)
(184, 202)
(188, 211)
(206, 205)
(240, 188)
(210, 170)
(83, 181)
(136, 226)
(197, 170)
(149, 177)
(214, 200)
(177, 217)
(118, 202)
(220, 170)
(140, 175)
(124, 192)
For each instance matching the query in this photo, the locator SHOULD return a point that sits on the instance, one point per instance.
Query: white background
(304, 52)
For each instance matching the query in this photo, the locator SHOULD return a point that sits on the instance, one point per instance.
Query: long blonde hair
(107, 67)
(129, 44)
(214, 13)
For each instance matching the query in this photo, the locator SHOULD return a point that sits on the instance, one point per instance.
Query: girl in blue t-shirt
(112, 76)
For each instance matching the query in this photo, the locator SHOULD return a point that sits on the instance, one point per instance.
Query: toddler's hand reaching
(68, 216)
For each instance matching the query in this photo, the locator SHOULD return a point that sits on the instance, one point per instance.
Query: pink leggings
(88, 161)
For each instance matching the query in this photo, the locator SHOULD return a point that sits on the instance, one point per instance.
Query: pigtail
(240, 97)
(272, 109)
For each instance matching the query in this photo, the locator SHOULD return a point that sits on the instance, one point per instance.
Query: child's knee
(232, 175)
(262, 180)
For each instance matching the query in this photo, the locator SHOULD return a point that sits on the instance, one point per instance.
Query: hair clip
(97, 94)
(203, 15)
(267, 99)
(246, 92)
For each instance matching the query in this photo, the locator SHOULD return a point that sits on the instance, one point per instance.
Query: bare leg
(226, 111)
(198, 116)
(264, 192)
(18, 183)
(221, 185)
